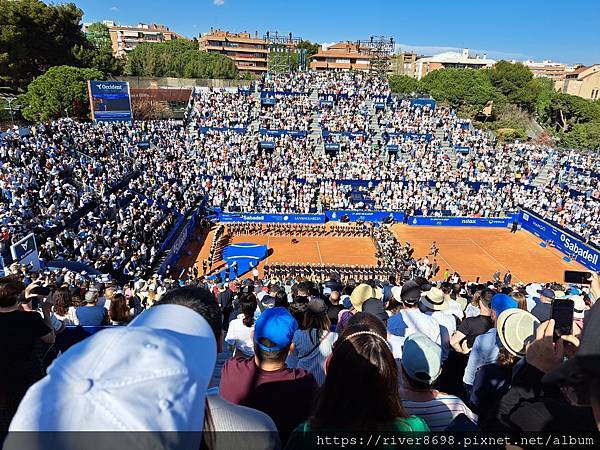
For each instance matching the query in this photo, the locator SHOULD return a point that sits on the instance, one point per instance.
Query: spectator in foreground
(91, 314)
(549, 393)
(19, 331)
(421, 365)
(543, 310)
(224, 415)
(411, 320)
(360, 392)
(464, 337)
(265, 382)
(516, 329)
(119, 312)
(486, 346)
(360, 294)
(239, 333)
(149, 376)
(334, 307)
(314, 341)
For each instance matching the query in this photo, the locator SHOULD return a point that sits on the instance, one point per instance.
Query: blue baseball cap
(502, 302)
(548, 293)
(278, 326)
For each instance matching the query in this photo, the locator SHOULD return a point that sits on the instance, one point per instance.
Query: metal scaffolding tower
(381, 50)
(284, 54)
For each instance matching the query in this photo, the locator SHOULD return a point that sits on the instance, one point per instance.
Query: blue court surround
(246, 255)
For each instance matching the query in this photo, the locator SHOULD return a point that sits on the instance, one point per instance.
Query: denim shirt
(485, 351)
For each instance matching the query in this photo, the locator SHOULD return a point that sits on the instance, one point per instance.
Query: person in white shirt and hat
(149, 376)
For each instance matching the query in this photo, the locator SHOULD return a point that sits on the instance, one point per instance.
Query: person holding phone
(20, 328)
(543, 310)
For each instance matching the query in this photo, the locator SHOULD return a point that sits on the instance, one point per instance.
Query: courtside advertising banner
(499, 222)
(271, 218)
(565, 242)
(110, 101)
(25, 252)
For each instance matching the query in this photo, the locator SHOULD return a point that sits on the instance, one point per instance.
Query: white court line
(494, 259)
(447, 263)
(319, 249)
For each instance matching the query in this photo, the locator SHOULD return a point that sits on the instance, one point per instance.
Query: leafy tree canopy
(60, 91)
(460, 87)
(34, 37)
(178, 58)
(403, 84)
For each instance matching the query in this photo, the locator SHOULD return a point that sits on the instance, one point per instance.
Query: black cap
(411, 292)
(316, 307)
(375, 306)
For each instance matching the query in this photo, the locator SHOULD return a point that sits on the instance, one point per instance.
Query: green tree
(403, 84)
(97, 51)
(565, 111)
(584, 136)
(61, 90)
(510, 78)
(460, 87)
(178, 58)
(98, 34)
(35, 36)
(310, 47)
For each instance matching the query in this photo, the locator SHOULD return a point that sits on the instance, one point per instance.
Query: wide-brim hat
(434, 299)
(360, 294)
(516, 328)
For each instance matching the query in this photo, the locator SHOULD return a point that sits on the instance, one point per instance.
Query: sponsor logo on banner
(575, 249)
(566, 243)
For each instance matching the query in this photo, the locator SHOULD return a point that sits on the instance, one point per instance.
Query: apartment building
(124, 38)
(249, 52)
(341, 56)
(446, 60)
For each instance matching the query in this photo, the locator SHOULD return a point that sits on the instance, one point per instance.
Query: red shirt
(285, 395)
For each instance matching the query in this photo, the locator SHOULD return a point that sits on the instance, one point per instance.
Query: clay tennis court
(471, 251)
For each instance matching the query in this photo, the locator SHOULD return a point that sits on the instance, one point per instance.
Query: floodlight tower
(282, 48)
(381, 50)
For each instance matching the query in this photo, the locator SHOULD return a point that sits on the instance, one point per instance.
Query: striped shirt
(439, 413)
(308, 356)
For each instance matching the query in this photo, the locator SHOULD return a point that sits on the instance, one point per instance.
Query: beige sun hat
(516, 328)
(434, 299)
(360, 294)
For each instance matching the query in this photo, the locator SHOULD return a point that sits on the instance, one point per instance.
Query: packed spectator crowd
(70, 182)
(431, 353)
(290, 112)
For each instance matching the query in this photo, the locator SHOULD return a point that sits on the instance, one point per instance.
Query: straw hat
(360, 294)
(516, 328)
(434, 300)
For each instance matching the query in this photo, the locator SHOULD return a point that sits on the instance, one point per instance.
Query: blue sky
(563, 31)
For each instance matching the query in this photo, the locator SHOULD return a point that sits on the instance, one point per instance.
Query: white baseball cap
(149, 376)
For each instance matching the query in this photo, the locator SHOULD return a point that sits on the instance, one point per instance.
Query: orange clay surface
(473, 252)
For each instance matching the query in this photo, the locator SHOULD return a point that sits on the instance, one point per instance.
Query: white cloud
(430, 50)
(114, 8)
(218, 2)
